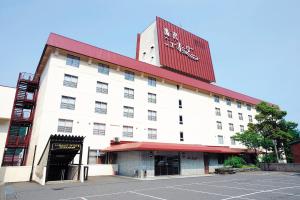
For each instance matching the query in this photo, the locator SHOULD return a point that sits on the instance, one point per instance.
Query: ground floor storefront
(148, 159)
(160, 163)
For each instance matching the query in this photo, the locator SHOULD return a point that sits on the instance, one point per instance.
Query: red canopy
(154, 146)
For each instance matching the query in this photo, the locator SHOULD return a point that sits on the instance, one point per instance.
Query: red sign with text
(184, 52)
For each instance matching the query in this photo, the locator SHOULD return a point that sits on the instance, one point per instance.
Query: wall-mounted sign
(183, 52)
(172, 41)
(65, 146)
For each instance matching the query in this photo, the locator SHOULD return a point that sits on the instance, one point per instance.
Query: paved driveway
(247, 186)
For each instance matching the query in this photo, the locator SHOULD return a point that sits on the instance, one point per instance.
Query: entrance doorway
(62, 157)
(167, 165)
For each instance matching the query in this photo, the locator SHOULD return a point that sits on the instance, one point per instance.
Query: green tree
(271, 132)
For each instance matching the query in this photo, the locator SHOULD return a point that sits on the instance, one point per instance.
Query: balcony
(22, 116)
(27, 77)
(17, 141)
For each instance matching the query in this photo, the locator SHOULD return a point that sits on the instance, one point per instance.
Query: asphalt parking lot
(247, 186)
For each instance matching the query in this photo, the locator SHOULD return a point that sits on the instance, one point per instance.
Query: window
(242, 128)
(100, 107)
(228, 102)
(218, 111)
(129, 76)
(99, 129)
(129, 93)
(67, 103)
(102, 87)
(97, 157)
(229, 112)
(73, 60)
(239, 104)
(127, 131)
(180, 103)
(231, 127)
(128, 112)
(152, 81)
(220, 139)
(240, 116)
(180, 119)
(70, 81)
(219, 125)
(151, 98)
(216, 98)
(232, 140)
(181, 136)
(249, 107)
(152, 115)
(65, 126)
(250, 118)
(221, 159)
(152, 134)
(103, 69)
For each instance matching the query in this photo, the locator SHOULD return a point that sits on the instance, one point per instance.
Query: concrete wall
(103, 169)
(192, 163)
(7, 95)
(149, 50)
(282, 167)
(15, 174)
(129, 162)
(213, 162)
(4, 125)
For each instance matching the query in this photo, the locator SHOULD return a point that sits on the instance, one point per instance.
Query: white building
(154, 113)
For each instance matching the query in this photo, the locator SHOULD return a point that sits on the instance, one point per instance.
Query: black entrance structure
(59, 155)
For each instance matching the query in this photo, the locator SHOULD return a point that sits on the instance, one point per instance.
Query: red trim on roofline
(74, 46)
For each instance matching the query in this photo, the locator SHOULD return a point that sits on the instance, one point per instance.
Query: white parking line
(191, 190)
(255, 184)
(146, 195)
(290, 194)
(83, 198)
(264, 191)
(145, 189)
(276, 180)
(221, 186)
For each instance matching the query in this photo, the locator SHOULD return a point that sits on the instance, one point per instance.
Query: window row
(104, 69)
(221, 140)
(101, 87)
(230, 125)
(229, 114)
(66, 126)
(229, 102)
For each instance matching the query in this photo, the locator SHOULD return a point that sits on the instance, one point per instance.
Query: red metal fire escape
(19, 132)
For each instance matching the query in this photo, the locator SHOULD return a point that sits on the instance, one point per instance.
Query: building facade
(7, 95)
(160, 113)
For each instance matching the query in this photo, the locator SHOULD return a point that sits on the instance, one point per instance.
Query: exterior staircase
(19, 132)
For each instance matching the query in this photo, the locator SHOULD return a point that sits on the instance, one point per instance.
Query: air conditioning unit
(117, 140)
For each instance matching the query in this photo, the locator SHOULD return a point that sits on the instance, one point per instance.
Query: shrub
(234, 161)
(269, 158)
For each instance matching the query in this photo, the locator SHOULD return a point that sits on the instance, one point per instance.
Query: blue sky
(255, 44)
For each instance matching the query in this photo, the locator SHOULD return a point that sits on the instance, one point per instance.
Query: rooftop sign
(183, 52)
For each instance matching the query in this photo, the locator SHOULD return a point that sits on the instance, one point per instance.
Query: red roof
(71, 45)
(154, 146)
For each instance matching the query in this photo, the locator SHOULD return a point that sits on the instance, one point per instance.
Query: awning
(155, 146)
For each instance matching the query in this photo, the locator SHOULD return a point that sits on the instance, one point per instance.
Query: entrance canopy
(155, 146)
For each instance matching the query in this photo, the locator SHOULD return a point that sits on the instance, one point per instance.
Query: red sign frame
(184, 52)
